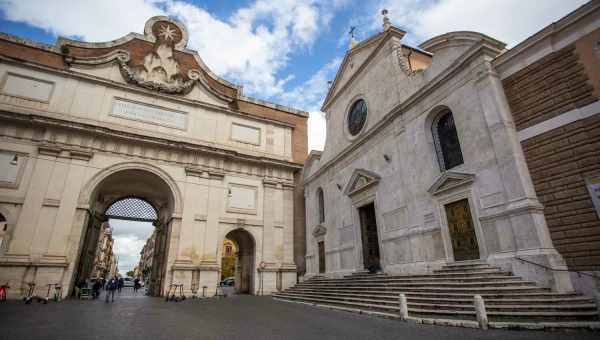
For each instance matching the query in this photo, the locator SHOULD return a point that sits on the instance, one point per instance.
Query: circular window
(357, 117)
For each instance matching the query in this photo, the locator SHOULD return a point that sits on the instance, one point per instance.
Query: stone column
(25, 230)
(288, 267)
(270, 204)
(209, 264)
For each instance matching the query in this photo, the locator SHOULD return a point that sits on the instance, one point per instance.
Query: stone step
(439, 284)
(482, 266)
(452, 270)
(448, 294)
(435, 295)
(494, 272)
(468, 300)
(461, 290)
(465, 263)
(453, 306)
(493, 278)
(592, 315)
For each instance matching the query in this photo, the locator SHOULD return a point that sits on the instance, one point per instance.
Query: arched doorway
(130, 195)
(244, 260)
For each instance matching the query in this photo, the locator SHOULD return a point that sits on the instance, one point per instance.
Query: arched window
(321, 205)
(446, 141)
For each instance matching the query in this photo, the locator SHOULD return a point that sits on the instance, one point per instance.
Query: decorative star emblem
(167, 32)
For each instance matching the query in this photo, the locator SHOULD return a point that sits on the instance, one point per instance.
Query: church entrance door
(462, 232)
(321, 257)
(370, 240)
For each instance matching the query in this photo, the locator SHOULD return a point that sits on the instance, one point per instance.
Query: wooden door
(370, 238)
(462, 232)
(321, 257)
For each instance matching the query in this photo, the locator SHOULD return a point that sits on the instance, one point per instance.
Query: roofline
(470, 35)
(62, 41)
(380, 38)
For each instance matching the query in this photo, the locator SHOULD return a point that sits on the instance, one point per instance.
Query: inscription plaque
(149, 114)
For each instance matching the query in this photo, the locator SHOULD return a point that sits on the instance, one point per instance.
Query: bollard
(403, 307)
(481, 313)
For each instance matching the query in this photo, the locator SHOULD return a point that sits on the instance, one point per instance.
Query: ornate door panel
(462, 232)
(370, 240)
(321, 257)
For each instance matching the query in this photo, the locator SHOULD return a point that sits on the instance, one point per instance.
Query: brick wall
(559, 161)
(555, 84)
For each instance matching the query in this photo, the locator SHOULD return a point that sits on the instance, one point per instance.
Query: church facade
(139, 128)
(424, 161)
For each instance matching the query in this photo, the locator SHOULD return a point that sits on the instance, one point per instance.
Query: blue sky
(283, 51)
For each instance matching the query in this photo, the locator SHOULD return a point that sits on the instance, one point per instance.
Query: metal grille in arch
(132, 208)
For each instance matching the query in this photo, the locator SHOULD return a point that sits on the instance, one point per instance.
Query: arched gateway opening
(138, 199)
(244, 260)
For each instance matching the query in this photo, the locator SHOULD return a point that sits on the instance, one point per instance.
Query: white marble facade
(73, 139)
(392, 162)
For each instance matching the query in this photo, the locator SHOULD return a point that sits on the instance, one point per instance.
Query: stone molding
(241, 222)
(450, 180)
(360, 180)
(54, 150)
(522, 210)
(278, 184)
(205, 173)
(144, 91)
(94, 138)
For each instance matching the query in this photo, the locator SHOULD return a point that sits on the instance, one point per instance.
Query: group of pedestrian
(114, 285)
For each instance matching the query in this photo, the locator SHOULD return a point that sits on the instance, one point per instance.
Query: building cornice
(61, 49)
(143, 91)
(31, 119)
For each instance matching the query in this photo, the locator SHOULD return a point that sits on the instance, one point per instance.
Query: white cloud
(91, 20)
(250, 47)
(310, 95)
(130, 237)
(510, 21)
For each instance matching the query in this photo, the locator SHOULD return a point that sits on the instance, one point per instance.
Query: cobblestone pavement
(236, 317)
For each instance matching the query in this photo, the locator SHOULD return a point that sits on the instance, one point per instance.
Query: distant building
(144, 267)
(104, 254)
(228, 259)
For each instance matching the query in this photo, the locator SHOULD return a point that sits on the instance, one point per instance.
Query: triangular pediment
(450, 180)
(353, 60)
(319, 231)
(360, 180)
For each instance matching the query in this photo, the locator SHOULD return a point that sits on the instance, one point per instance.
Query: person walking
(111, 286)
(136, 285)
(120, 284)
(96, 289)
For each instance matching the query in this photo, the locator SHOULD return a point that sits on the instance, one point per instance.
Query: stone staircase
(447, 294)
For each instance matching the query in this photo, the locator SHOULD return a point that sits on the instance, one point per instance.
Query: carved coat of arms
(160, 70)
